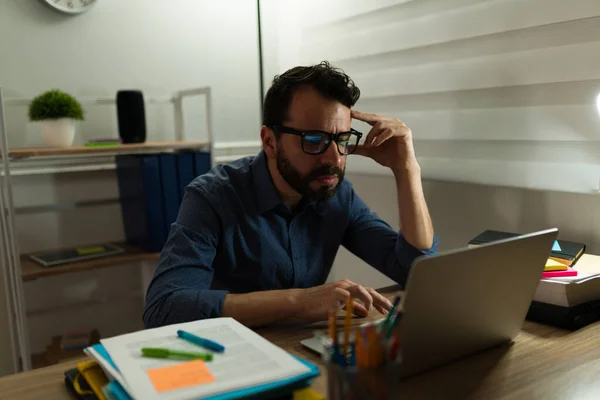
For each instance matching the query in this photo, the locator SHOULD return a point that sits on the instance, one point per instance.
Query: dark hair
(328, 81)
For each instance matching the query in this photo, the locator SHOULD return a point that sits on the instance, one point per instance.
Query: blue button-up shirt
(234, 234)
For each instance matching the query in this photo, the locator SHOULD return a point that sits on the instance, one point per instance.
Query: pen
(394, 325)
(394, 346)
(389, 315)
(154, 352)
(198, 341)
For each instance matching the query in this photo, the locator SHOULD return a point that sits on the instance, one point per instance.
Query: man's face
(313, 176)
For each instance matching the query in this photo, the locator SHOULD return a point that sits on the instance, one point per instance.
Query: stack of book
(151, 189)
(209, 359)
(568, 295)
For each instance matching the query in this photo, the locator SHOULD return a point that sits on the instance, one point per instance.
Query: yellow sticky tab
(187, 374)
(83, 251)
(552, 265)
(307, 394)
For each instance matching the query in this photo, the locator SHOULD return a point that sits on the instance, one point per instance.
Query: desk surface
(542, 363)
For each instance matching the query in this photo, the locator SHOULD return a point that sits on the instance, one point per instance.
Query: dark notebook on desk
(571, 318)
(562, 249)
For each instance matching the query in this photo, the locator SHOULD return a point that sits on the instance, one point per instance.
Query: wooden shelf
(31, 270)
(55, 355)
(148, 147)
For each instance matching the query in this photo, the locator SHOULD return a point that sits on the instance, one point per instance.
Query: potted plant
(57, 112)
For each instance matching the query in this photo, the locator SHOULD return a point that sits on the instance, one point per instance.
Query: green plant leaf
(55, 104)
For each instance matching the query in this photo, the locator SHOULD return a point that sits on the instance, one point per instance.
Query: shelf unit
(18, 269)
(31, 270)
(141, 148)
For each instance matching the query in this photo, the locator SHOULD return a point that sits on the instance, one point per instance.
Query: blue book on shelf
(141, 200)
(185, 171)
(201, 162)
(170, 189)
(273, 390)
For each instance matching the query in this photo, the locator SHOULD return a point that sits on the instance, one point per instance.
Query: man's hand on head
(389, 142)
(315, 303)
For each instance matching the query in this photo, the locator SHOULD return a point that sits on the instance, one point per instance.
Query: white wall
(500, 95)
(499, 92)
(157, 46)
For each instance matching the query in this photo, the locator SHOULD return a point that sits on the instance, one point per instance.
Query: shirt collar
(266, 195)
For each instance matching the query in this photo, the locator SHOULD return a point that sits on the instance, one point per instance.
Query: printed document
(249, 360)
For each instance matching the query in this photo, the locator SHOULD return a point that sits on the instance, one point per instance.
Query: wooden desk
(543, 363)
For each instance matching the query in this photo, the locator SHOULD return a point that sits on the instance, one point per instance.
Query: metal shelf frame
(10, 258)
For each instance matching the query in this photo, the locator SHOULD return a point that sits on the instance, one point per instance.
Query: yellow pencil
(347, 325)
(332, 326)
(374, 348)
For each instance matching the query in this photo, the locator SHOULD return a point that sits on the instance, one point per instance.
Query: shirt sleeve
(180, 289)
(375, 242)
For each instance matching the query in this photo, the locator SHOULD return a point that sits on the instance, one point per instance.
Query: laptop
(463, 301)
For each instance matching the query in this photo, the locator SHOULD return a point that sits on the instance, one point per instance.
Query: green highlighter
(154, 352)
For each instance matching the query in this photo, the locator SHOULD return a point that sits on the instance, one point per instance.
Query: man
(255, 240)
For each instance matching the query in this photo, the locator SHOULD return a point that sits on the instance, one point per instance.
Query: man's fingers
(340, 296)
(361, 150)
(373, 133)
(382, 137)
(379, 300)
(359, 309)
(346, 283)
(363, 295)
(380, 309)
(370, 119)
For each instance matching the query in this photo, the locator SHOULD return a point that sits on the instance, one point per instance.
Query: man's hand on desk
(315, 303)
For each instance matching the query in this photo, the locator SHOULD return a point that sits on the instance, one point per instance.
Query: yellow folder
(307, 394)
(93, 374)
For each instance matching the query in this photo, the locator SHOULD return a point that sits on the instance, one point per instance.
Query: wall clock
(71, 7)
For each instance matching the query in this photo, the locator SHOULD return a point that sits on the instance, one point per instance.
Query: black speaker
(131, 116)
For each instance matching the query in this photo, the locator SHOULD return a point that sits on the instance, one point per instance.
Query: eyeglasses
(317, 142)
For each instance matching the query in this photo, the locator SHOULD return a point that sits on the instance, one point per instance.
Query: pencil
(335, 349)
(359, 348)
(347, 325)
(374, 348)
(332, 326)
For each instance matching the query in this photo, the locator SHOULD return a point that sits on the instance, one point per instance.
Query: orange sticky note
(190, 373)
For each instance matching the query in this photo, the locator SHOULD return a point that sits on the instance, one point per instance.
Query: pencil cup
(352, 383)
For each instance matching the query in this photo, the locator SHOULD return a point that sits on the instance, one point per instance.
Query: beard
(301, 184)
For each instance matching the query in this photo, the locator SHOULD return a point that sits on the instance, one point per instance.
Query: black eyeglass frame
(331, 137)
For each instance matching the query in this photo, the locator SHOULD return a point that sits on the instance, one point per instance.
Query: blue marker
(198, 341)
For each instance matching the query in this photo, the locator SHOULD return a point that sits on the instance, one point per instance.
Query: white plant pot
(58, 132)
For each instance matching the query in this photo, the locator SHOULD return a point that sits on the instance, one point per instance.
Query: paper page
(248, 360)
